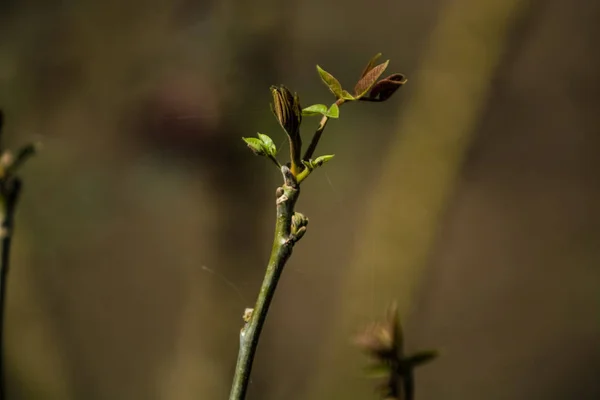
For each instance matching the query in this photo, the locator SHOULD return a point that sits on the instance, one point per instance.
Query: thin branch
(11, 188)
(289, 228)
(275, 161)
(317, 136)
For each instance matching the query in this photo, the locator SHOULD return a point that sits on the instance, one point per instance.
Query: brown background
(471, 197)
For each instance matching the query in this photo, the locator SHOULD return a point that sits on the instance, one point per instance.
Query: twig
(317, 135)
(289, 228)
(10, 189)
(290, 225)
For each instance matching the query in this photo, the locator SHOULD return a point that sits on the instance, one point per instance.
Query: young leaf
(370, 64)
(322, 160)
(315, 109)
(334, 111)
(369, 79)
(347, 96)
(256, 145)
(308, 164)
(268, 144)
(321, 109)
(385, 88)
(332, 83)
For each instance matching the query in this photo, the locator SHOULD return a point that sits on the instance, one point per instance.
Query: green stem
(275, 161)
(283, 244)
(295, 154)
(317, 136)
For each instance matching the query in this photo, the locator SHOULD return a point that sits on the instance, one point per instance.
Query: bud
(286, 107)
(383, 340)
(298, 221)
(248, 314)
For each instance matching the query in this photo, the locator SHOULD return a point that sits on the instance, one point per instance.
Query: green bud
(322, 160)
(298, 221)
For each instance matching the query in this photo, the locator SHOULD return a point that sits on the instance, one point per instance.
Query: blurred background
(472, 197)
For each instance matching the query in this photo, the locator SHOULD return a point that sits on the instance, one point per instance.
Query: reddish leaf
(371, 64)
(369, 79)
(385, 88)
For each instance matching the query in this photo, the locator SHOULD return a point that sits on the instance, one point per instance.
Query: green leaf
(332, 83)
(315, 109)
(256, 145)
(369, 79)
(322, 160)
(370, 64)
(347, 96)
(334, 111)
(268, 144)
(321, 109)
(308, 164)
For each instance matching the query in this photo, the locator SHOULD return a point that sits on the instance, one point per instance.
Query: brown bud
(287, 110)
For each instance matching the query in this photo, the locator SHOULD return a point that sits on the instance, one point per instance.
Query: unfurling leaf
(321, 109)
(315, 109)
(334, 111)
(332, 83)
(347, 96)
(385, 88)
(323, 159)
(369, 79)
(312, 164)
(256, 145)
(371, 64)
(268, 144)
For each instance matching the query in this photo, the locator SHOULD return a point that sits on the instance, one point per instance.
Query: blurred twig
(424, 159)
(384, 343)
(10, 189)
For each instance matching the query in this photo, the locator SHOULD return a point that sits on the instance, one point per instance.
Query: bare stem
(285, 237)
(317, 136)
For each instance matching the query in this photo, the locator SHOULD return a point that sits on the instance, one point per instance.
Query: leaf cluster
(288, 112)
